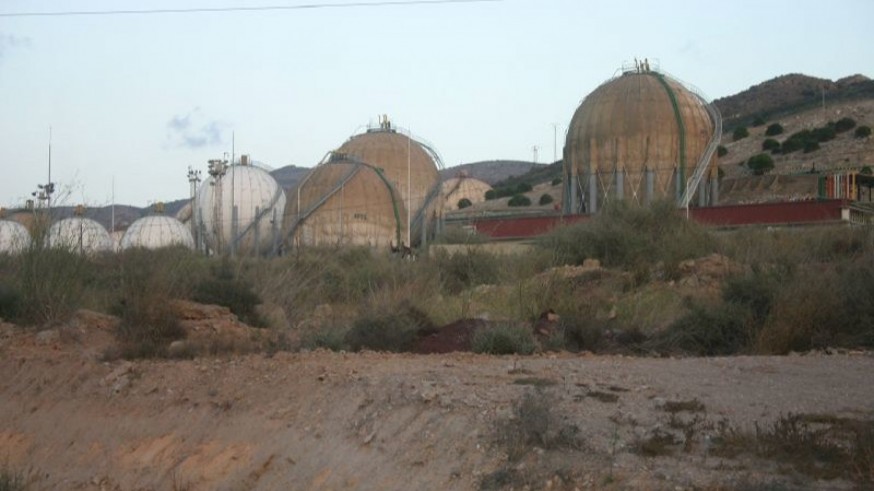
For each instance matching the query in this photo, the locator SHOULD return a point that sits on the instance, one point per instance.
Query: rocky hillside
(787, 94)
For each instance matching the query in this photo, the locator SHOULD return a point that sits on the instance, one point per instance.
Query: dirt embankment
(333, 421)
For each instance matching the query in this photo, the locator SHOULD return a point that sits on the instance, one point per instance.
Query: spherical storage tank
(344, 201)
(410, 166)
(156, 232)
(239, 210)
(79, 234)
(14, 237)
(461, 187)
(639, 137)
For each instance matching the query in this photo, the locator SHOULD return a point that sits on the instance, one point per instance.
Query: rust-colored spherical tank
(459, 188)
(343, 201)
(402, 160)
(637, 137)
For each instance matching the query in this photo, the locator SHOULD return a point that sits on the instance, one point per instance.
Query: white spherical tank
(14, 237)
(80, 234)
(241, 211)
(155, 232)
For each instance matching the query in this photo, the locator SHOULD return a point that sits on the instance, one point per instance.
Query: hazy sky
(139, 98)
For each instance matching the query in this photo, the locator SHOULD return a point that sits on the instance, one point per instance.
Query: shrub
(491, 194)
(758, 121)
(760, 163)
(503, 340)
(462, 270)
(12, 480)
(52, 284)
(740, 133)
(774, 130)
(721, 151)
(545, 199)
(10, 302)
(845, 124)
(630, 237)
(862, 132)
(771, 144)
(237, 295)
(523, 187)
(148, 282)
(519, 200)
(464, 203)
(707, 331)
(824, 134)
(387, 331)
(811, 146)
(556, 181)
(866, 170)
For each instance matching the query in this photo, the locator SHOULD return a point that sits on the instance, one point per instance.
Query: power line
(263, 8)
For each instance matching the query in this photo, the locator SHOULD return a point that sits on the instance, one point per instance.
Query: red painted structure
(790, 213)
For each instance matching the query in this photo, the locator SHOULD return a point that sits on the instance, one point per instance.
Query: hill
(491, 171)
(788, 94)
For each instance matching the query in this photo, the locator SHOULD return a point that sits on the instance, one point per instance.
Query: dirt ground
(372, 421)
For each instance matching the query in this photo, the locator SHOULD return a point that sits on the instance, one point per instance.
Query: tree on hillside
(740, 133)
(760, 163)
(863, 132)
(774, 130)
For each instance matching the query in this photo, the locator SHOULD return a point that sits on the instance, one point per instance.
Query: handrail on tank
(704, 161)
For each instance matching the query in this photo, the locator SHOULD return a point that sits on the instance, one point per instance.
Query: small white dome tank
(80, 234)
(155, 232)
(259, 202)
(14, 237)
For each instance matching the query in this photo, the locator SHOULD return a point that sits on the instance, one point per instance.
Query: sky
(131, 101)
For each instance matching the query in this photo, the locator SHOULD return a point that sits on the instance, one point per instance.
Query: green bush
(774, 130)
(760, 163)
(387, 331)
(53, 284)
(519, 200)
(718, 330)
(632, 237)
(758, 121)
(556, 181)
(523, 187)
(463, 270)
(862, 132)
(824, 134)
(866, 170)
(845, 124)
(464, 203)
(148, 282)
(10, 302)
(491, 194)
(811, 146)
(721, 151)
(235, 294)
(740, 133)
(770, 144)
(545, 199)
(503, 340)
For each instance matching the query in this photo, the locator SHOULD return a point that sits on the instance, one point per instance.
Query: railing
(704, 161)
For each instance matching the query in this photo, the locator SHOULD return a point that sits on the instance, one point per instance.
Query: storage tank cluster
(640, 137)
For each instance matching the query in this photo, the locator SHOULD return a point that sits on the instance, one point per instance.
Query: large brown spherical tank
(344, 201)
(410, 166)
(640, 137)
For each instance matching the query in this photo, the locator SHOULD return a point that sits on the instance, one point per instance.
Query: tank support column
(714, 191)
(702, 193)
(620, 184)
(650, 186)
(593, 194)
